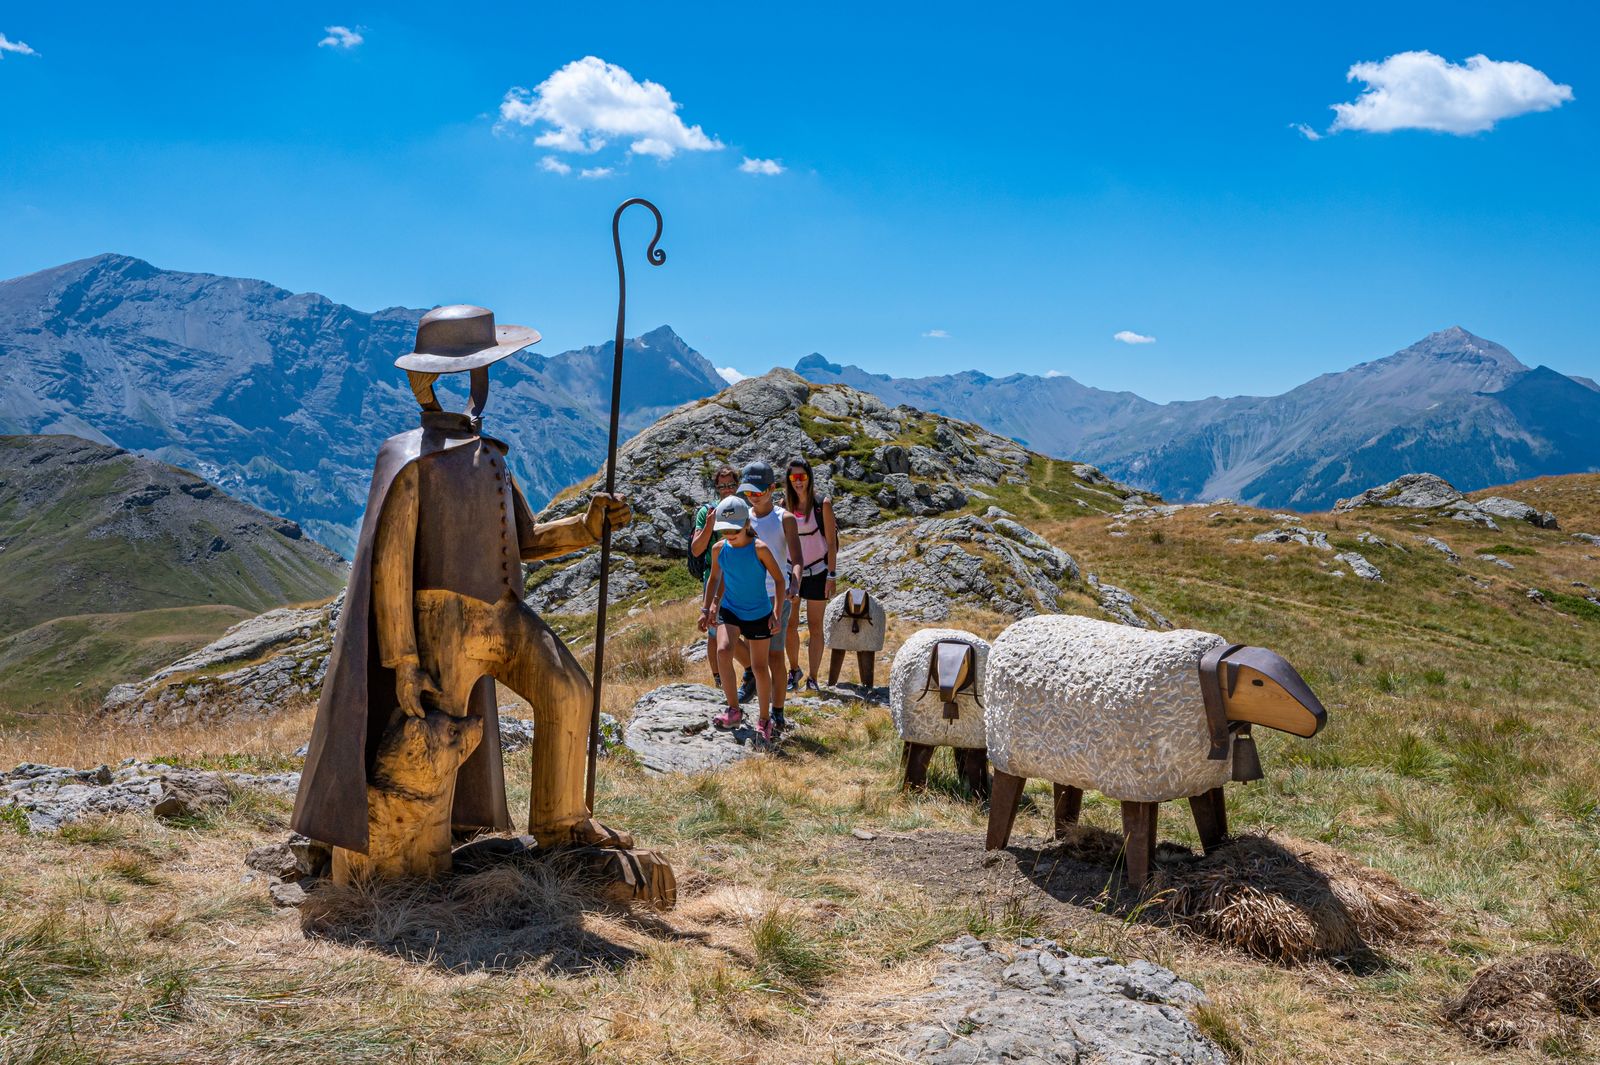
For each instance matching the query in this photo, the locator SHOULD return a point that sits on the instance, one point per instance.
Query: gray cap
(758, 477)
(732, 515)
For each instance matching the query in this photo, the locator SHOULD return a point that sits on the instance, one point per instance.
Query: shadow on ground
(1274, 898)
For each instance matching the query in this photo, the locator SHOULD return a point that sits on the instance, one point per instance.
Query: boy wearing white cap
(742, 571)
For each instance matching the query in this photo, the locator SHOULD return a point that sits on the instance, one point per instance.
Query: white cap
(732, 514)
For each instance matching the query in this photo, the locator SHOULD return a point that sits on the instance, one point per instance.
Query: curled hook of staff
(653, 254)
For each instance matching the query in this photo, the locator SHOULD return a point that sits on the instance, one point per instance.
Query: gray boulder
(1039, 1004)
(1515, 510)
(1359, 565)
(1295, 534)
(1414, 491)
(52, 796)
(1441, 547)
(853, 511)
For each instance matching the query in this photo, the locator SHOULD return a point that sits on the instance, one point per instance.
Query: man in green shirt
(725, 481)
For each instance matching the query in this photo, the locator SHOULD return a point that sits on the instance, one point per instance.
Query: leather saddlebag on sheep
(936, 696)
(855, 621)
(1139, 716)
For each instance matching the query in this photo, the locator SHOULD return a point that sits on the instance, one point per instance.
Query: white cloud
(1128, 336)
(554, 165)
(730, 375)
(1054, 373)
(592, 172)
(15, 47)
(937, 334)
(1419, 90)
(770, 167)
(340, 37)
(585, 103)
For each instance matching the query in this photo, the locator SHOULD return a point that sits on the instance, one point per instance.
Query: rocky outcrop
(920, 567)
(52, 796)
(1515, 510)
(575, 589)
(1038, 1003)
(285, 653)
(1424, 491)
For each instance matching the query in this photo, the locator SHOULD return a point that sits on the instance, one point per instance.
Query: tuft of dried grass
(542, 915)
(1291, 901)
(1529, 1001)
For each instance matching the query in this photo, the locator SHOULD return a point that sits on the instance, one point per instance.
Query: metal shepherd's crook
(656, 257)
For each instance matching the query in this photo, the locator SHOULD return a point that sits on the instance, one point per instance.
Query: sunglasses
(730, 485)
(799, 475)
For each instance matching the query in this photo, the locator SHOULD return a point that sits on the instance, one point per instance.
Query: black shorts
(814, 587)
(759, 629)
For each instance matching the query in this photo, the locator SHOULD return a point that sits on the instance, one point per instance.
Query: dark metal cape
(358, 693)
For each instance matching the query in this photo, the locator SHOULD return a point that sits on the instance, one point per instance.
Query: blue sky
(1030, 181)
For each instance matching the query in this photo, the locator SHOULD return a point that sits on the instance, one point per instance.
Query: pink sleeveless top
(813, 543)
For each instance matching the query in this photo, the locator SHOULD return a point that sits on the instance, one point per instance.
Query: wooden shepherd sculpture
(406, 747)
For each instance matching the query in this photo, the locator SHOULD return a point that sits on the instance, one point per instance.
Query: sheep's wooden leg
(864, 663)
(1003, 802)
(915, 758)
(1138, 841)
(972, 764)
(835, 664)
(1210, 818)
(1069, 804)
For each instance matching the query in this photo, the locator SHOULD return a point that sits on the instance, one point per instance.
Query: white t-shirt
(769, 530)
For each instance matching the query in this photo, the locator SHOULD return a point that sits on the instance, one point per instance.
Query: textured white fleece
(920, 718)
(837, 626)
(1104, 707)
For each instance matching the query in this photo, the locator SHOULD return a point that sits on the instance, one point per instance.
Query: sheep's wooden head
(1255, 686)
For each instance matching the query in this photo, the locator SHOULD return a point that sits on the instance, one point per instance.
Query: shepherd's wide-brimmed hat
(463, 337)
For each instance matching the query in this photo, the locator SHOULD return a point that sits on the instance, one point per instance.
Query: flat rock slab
(1040, 1004)
(671, 730)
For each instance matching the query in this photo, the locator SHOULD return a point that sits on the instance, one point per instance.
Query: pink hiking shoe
(729, 718)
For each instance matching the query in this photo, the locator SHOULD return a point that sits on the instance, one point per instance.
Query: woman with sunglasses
(725, 480)
(819, 553)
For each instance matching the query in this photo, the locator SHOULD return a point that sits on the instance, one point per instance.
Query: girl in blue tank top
(736, 596)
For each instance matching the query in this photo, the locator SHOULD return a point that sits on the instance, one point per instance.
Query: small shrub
(1157, 536)
(786, 953)
(17, 818)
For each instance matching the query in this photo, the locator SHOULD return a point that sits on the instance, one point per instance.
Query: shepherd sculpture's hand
(603, 507)
(411, 683)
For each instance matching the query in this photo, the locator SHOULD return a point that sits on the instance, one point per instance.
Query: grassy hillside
(74, 660)
(92, 529)
(1461, 756)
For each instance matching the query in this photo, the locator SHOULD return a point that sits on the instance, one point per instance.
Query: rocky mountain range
(282, 399)
(1453, 404)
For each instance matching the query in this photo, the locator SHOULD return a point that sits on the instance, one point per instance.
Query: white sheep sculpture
(936, 696)
(1139, 716)
(855, 621)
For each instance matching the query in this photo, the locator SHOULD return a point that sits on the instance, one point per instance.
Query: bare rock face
(920, 567)
(1040, 1004)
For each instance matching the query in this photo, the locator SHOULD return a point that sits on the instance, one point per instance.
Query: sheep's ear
(1262, 688)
